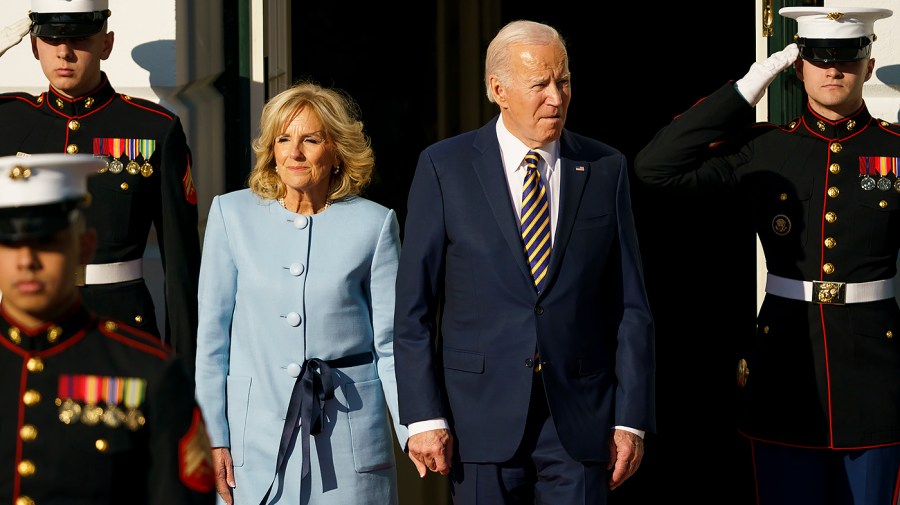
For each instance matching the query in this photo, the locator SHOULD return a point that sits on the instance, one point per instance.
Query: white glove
(753, 85)
(12, 34)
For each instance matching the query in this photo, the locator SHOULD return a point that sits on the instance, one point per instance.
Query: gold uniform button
(101, 445)
(35, 365)
(782, 197)
(828, 268)
(15, 335)
(830, 242)
(54, 333)
(836, 147)
(889, 335)
(72, 149)
(74, 125)
(110, 326)
(765, 329)
(830, 217)
(835, 168)
(26, 468)
(124, 186)
(28, 433)
(743, 372)
(24, 500)
(139, 319)
(31, 398)
(883, 204)
(833, 192)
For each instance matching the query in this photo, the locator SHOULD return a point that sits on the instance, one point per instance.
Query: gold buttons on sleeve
(35, 364)
(836, 147)
(28, 433)
(31, 397)
(72, 149)
(833, 192)
(26, 468)
(830, 217)
(830, 242)
(828, 268)
(835, 168)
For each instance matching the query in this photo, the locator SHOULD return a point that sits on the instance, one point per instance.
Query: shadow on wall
(890, 75)
(158, 58)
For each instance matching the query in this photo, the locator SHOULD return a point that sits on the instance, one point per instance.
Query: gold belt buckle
(832, 293)
(80, 275)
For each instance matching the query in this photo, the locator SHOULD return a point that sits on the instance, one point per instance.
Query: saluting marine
(95, 411)
(818, 384)
(145, 181)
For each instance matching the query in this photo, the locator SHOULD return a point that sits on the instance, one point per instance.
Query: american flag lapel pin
(579, 168)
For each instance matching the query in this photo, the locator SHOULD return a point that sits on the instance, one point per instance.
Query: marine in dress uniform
(146, 180)
(95, 410)
(820, 396)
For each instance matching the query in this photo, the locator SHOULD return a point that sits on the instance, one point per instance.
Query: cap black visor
(37, 221)
(834, 50)
(67, 25)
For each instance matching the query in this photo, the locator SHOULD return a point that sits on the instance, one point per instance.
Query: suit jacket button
(529, 362)
(293, 319)
(539, 310)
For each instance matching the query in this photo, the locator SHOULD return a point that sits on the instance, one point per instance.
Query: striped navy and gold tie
(535, 221)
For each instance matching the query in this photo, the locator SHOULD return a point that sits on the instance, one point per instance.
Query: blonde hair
(339, 115)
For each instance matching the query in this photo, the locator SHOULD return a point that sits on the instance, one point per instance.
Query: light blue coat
(278, 288)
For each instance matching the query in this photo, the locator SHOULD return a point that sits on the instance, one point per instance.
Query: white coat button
(300, 222)
(296, 269)
(293, 370)
(293, 319)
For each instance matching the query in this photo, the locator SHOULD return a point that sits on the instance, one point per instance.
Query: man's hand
(223, 468)
(12, 34)
(431, 450)
(625, 453)
(753, 85)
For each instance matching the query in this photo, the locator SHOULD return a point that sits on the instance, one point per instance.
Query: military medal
(147, 148)
(113, 417)
(884, 184)
(131, 151)
(866, 182)
(133, 168)
(133, 393)
(91, 414)
(69, 411)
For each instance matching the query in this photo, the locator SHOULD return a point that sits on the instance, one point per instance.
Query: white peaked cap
(835, 22)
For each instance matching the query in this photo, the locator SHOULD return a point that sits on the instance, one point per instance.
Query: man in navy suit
(525, 369)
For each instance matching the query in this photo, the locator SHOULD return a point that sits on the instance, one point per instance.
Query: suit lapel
(573, 176)
(489, 170)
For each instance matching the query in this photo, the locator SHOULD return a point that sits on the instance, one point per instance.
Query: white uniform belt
(829, 292)
(109, 273)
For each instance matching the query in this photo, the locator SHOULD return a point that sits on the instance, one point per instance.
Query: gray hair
(496, 60)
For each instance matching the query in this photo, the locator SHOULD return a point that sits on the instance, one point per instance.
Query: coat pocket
(370, 432)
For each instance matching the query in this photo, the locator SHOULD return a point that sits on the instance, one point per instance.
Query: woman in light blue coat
(295, 365)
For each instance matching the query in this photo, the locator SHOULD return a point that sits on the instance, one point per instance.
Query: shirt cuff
(431, 424)
(639, 433)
